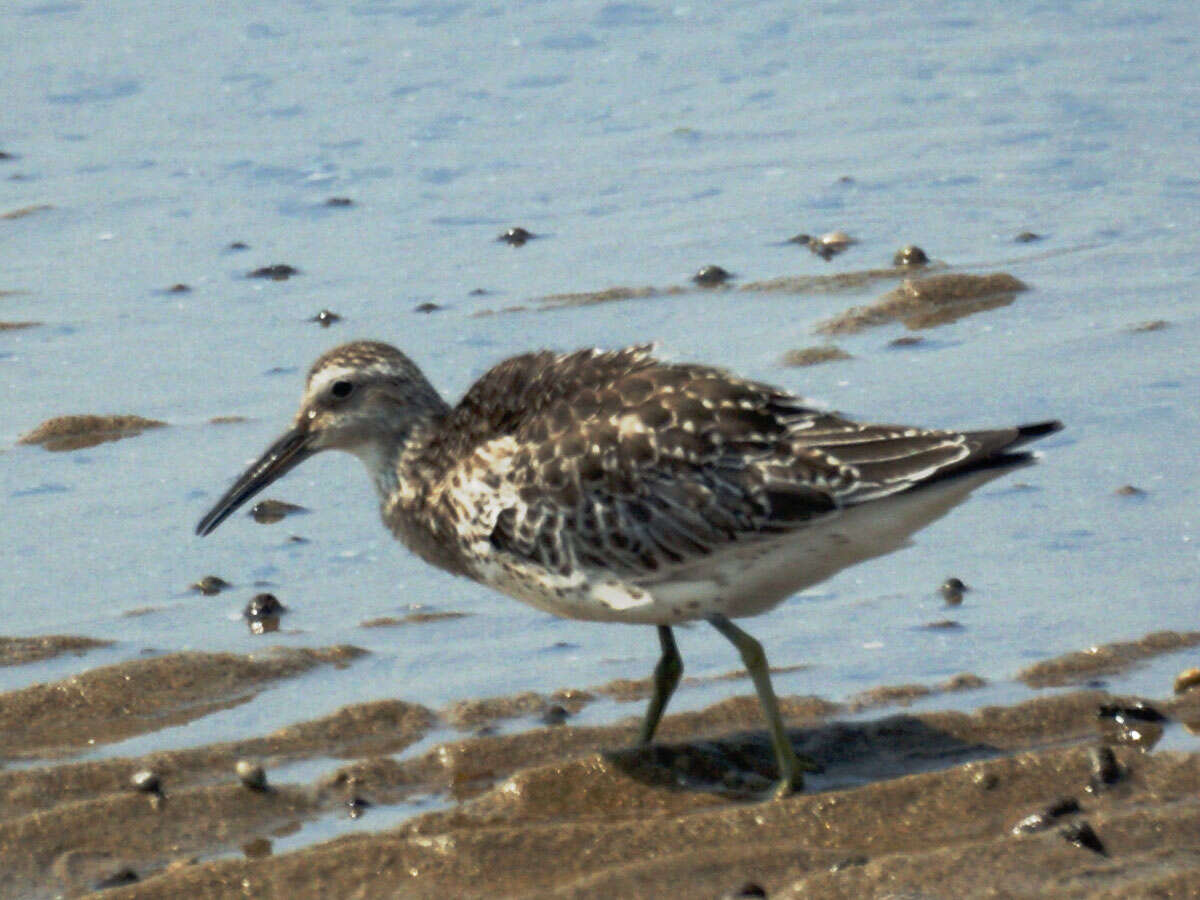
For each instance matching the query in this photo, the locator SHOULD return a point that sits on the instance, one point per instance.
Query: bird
(613, 486)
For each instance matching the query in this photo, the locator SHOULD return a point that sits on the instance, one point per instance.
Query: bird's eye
(341, 389)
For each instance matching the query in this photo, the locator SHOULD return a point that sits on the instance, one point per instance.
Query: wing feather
(627, 465)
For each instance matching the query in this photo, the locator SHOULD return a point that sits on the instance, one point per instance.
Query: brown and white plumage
(614, 486)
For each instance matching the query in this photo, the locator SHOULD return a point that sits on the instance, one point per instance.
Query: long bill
(285, 454)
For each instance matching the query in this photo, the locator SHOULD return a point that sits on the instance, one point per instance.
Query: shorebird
(615, 487)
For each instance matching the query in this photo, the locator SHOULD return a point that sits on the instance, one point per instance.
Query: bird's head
(363, 398)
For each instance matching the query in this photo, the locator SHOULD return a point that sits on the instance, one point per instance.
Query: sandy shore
(1015, 801)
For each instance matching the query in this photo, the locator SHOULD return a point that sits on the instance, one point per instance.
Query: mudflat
(1061, 794)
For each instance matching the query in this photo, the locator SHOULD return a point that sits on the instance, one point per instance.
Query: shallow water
(639, 142)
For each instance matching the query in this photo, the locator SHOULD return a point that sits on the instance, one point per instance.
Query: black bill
(279, 459)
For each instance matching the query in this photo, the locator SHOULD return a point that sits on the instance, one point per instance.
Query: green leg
(790, 765)
(666, 677)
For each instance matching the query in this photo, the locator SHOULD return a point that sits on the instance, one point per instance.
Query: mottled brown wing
(886, 459)
(657, 466)
(521, 389)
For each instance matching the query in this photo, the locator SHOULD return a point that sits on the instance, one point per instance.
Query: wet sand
(933, 803)
(77, 432)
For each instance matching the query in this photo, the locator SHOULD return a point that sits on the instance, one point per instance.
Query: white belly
(747, 577)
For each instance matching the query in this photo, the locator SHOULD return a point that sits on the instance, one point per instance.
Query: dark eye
(341, 389)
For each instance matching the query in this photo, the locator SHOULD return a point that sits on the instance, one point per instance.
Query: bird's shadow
(848, 754)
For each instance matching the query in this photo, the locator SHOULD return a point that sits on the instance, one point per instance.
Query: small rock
(986, 780)
(426, 307)
(1040, 821)
(261, 605)
(849, 862)
(1138, 724)
(1081, 834)
(477, 292)
(802, 239)
(709, 276)
(238, 245)
(276, 272)
(1027, 237)
(210, 585)
(952, 591)
(830, 245)
(908, 340)
(325, 318)
(910, 255)
(356, 806)
(1135, 712)
(1152, 325)
(146, 781)
(1187, 680)
(179, 288)
(1105, 769)
(262, 613)
(339, 202)
(811, 356)
(943, 625)
(516, 237)
(267, 512)
(251, 775)
(554, 715)
(749, 889)
(257, 848)
(118, 878)
(1128, 490)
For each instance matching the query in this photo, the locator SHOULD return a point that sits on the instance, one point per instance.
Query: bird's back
(618, 467)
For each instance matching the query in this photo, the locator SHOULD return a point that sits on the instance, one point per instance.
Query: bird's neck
(408, 495)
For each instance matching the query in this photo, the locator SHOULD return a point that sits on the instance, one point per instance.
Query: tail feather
(1031, 432)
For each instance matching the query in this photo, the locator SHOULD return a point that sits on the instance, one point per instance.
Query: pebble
(325, 318)
(952, 591)
(356, 806)
(986, 780)
(1138, 724)
(210, 585)
(708, 276)
(1081, 834)
(426, 307)
(263, 605)
(1135, 712)
(516, 237)
(1027, 237)
(257, 848)
(849, 862)
(339, 202)
(749, 889)
(276, 272)
(1105, 769)
(263, 612)
(1187, 680)
(146, 781)
(910, 255)
(251, 775)
(118, 878)
(830, 245)
(1040, 821)
(554, 715)
(267, 512)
